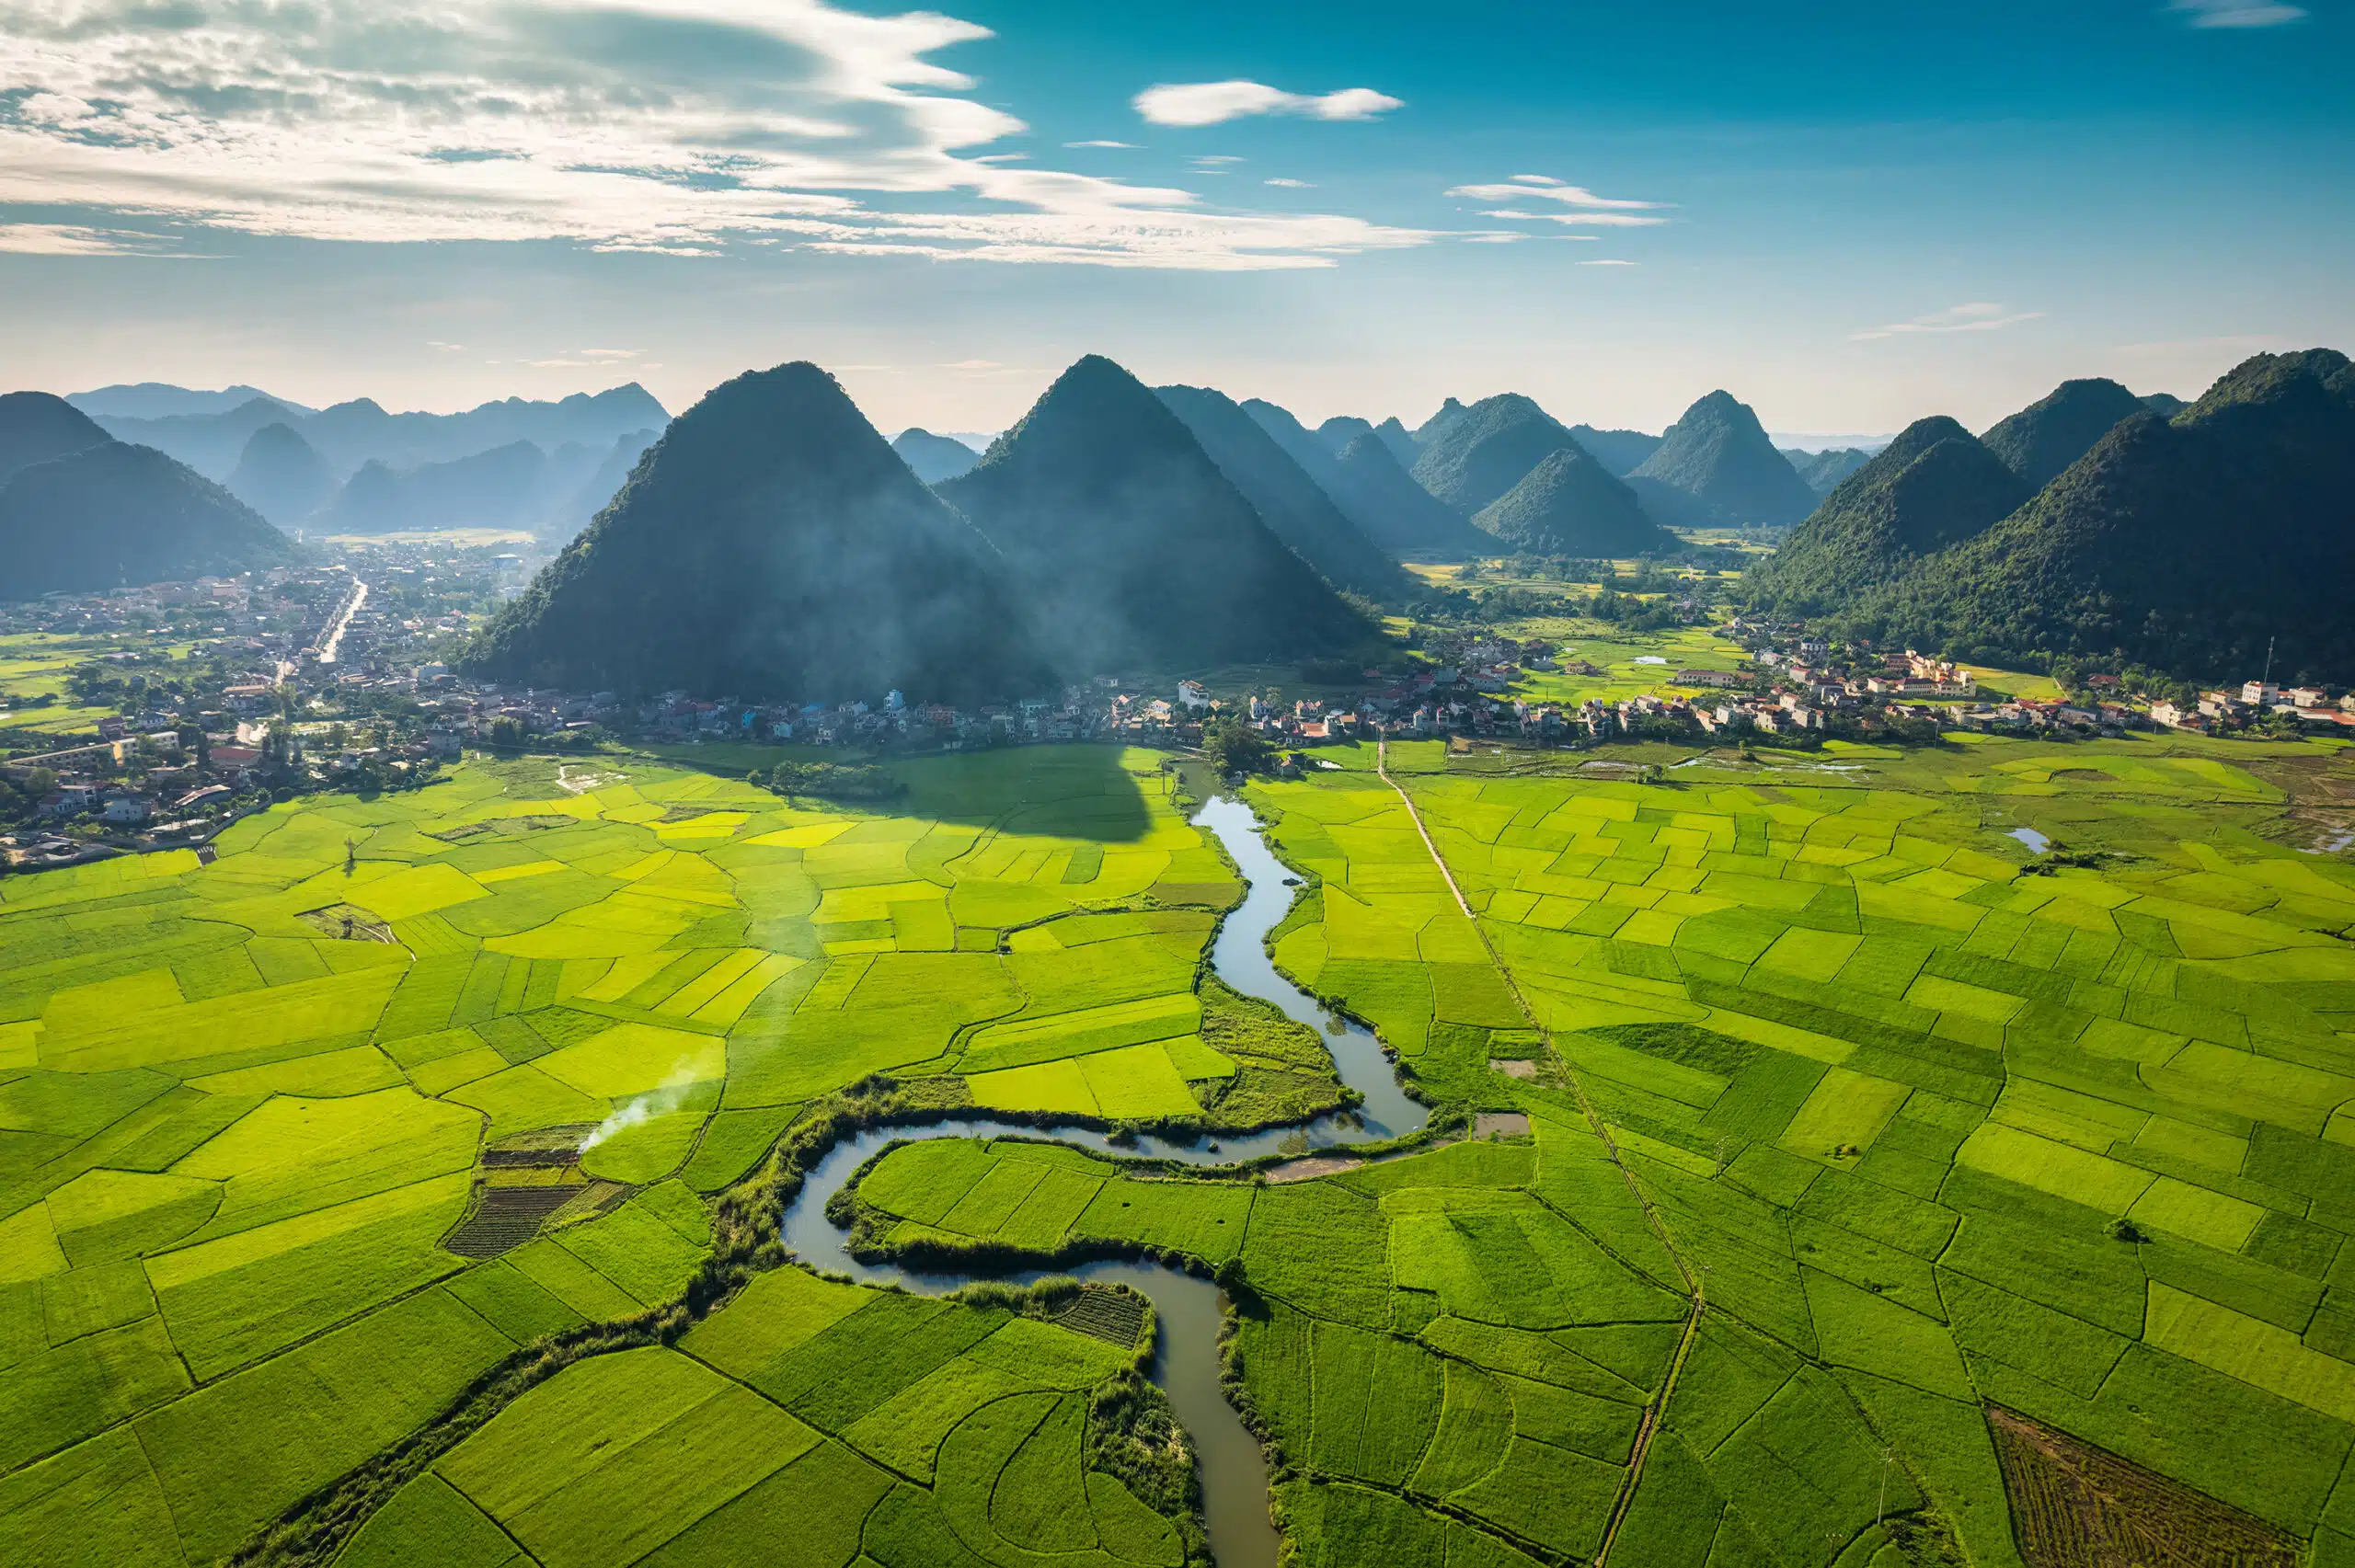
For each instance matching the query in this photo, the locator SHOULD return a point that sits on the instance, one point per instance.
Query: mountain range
(1365, 481)
(82, 513)
(1717, 453)
(934, 458)
(2188, 544)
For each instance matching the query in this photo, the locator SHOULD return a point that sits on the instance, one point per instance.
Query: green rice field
(1866, 1190)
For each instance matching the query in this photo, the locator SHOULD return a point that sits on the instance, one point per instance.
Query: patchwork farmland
(1892, 1194)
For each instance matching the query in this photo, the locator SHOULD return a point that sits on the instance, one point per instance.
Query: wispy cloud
(1980, 316)
(611, 353)
(1603, 263)
(972, 365)
(1124, 146)
(684, 127)
(1215, 103)
(1290, 184)
(2238, 13)
(1586, 209)
(440, 346)
(75, 239)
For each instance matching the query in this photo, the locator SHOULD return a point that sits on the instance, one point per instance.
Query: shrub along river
(1235, 1478)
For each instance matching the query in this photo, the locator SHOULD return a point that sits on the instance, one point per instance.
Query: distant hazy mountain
(2165, 405)
(1132, 546)
(933, 458)
(1340, 431)
(350, 434)
(2048, 435)
(1823, 470)
(1934, 485)
(112, 514)
(1471, 456)
(771, 544)
(36, 427)
(2185, 545)
(1294, 507)
(1719, 454)
(573, 513)
(1621, 452)
(160, 400)
(1401, 515)
(504, 488)
(1569, 505)
(281, 476)
(1401, 445)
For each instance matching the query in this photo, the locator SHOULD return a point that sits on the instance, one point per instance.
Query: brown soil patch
(1504, 1124)
(1512, 1068)
(2074, 1506)
(347, 922)
(1313, 1167)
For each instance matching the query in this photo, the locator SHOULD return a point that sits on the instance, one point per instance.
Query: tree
(1231, 748)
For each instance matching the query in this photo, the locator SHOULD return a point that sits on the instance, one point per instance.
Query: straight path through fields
(1653, 1412)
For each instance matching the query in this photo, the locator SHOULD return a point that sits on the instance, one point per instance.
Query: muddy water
(1233, 1477)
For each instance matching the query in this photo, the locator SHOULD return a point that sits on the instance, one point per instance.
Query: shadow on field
(1065, 792)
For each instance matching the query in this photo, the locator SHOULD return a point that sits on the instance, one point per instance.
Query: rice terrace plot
(1853, 1187)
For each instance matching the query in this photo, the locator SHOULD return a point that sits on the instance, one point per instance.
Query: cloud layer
(2238, 13)
(1583, 208)
(1977, 316)
(1215, 103)
(684, 126)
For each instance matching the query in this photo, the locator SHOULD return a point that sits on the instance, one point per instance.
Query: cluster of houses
(2220, 711)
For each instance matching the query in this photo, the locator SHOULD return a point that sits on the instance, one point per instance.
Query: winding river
(1235, 1478)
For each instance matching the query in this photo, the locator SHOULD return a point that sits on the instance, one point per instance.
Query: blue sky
(1849, 215)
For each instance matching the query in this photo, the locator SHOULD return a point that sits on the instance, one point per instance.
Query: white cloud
(677, 127)
(72, 239)
(610, 353)
(1290, 184)
(1124, 146)
(1979, 316)
(975, 365)
(440, 346)
(1540, 188)
(2238, 13)
(1218, 158)
(1601, 263)
(1214, 103)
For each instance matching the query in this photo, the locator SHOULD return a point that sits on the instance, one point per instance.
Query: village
(328, 680)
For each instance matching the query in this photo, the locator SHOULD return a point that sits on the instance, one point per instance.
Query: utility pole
(2269, 662)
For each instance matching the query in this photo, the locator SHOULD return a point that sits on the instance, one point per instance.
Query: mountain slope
(1340, 431)
(1569, 505)
(281, 476)
(1619, 452)
(1402, 445)
(114, 514)
(771, 544)
(1132, 544)
(161, 400)
(1719, 454)
(1292, 505)
(1486, 450)
(933, 458)
(1451, 414)
(1398, 515)
(1933, 486)
(2184, 545)
(2048, 435)
(574, 512)
(36, 428)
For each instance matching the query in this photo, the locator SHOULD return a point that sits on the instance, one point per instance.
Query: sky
(1850, 215)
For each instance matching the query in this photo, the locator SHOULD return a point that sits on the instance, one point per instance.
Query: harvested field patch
(505, 1218)
(2074, 1506)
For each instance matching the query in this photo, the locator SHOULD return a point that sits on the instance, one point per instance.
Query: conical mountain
(1450, 413)
(1400, 520)
(1340, 431)
(772, 545)
(1292, 505)
(1619, 452)
(1570, 505)
(113, 514)
(934, 458)
(2187, 545)
(1486, 450)
(2048, 435)
(1934, 485)
(1719, 454)
(281, 475)
(1401, 515)
(1401, 445)
(2165, 405)
(36, 427)
(1134, 548)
